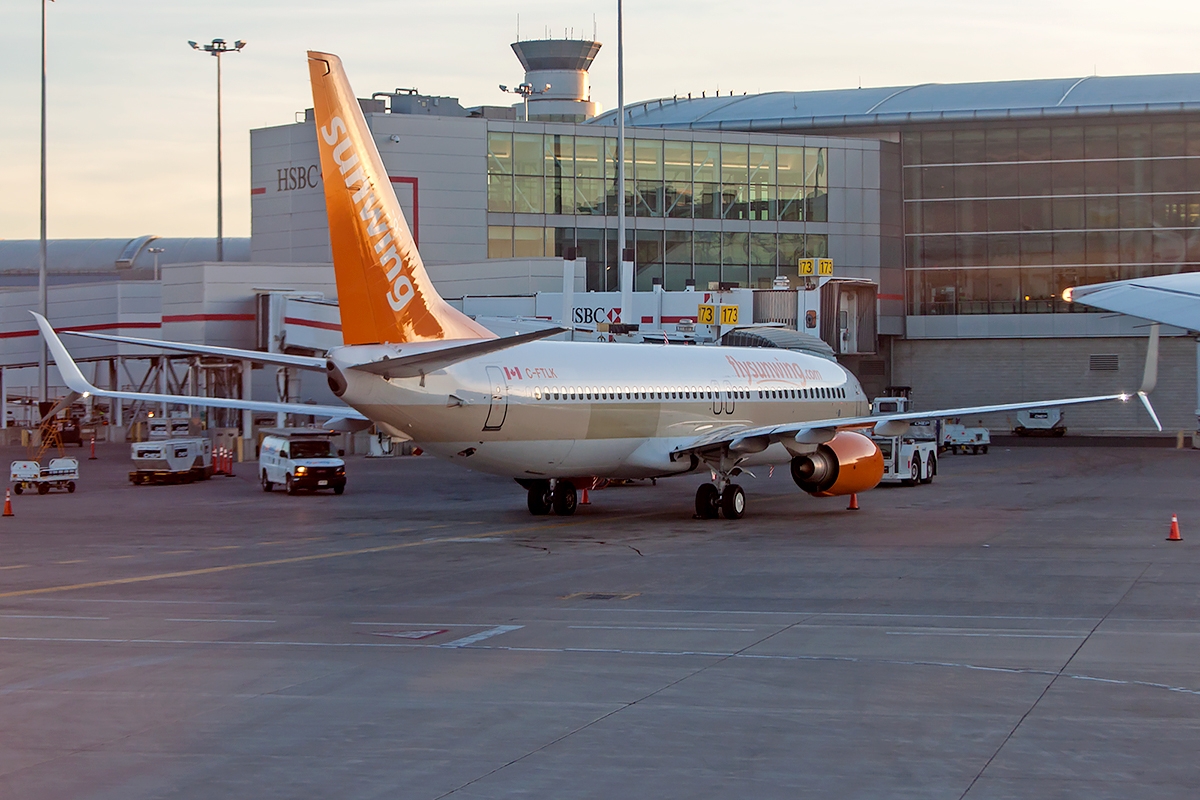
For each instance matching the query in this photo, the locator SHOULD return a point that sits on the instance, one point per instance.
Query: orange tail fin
(384, 293)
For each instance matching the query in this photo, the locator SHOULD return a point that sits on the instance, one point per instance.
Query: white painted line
(466, 641)
(220, 620)
(43, 616)
(991, 635)
(424, 624)
(651, 628)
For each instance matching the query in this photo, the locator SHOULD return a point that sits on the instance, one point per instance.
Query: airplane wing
(278, 359)
(426, 361)
(75, 381)
(1170, 299)
(754, 440)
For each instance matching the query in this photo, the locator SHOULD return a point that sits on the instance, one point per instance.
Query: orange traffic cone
(8, 503)
(853, 502)
(585, 501)
(1174, 537)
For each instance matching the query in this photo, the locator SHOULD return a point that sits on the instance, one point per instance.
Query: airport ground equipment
(958, 438)
(1040, 422)
(910, 457)
(300, 459)
(60, 473)
(171, 461)
(907, 460)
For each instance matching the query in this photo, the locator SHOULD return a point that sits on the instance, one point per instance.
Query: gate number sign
(706, 314)
(729, 315)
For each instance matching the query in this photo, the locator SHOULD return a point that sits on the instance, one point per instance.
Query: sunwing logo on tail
(371, 213)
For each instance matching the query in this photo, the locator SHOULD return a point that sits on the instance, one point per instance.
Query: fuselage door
(727, 398)
(498, 409)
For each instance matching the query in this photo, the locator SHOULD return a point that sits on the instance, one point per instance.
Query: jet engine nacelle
(847, 463)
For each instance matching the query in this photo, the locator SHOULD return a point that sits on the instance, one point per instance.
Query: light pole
(217, 49)
(156, 251)
(525, 90)
(43, 389)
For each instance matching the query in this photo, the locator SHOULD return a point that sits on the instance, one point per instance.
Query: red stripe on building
(670, 320)
(312, 323)
(416, 206)
(209, 318)
(104, 326)
(890, 296)
(258, 190)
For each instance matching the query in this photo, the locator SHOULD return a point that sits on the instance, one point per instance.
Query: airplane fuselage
(552, 409)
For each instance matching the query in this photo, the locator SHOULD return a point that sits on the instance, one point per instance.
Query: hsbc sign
(291, 178)
(592, 315)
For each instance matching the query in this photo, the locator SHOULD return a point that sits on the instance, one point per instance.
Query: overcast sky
(132, 108)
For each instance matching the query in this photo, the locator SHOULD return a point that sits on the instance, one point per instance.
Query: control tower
(561, 64)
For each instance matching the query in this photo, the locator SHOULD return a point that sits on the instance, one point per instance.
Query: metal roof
(81, 260)
(894, 106)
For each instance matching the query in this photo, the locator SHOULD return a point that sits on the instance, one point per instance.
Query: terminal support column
(247, 415)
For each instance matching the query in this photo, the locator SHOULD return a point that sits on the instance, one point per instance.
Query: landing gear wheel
(43, 488)
(565, 498)
(70, 487)
(916, 473)
(266, 484)
(290, 485)
(540, 501)
(733, 502)
(708, 501)
(930, 470)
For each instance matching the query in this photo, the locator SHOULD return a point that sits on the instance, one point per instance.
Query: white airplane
(553, 415)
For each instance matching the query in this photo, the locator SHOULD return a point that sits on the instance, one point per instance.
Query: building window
(1054, 203)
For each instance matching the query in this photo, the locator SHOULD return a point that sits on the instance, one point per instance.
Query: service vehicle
(60, 473)
(1040, 422)
(300, 459)
(909, 457)
(958, 438)
(171, 461)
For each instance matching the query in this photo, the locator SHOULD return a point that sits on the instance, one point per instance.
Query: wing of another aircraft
(75, 381)
(1170, 299)
(257, 356)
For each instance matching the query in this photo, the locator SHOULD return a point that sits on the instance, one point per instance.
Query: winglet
(1146, 402)
(1150, 376)
(67, 367)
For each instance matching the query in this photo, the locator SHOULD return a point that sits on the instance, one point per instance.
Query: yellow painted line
(15, 566)
(116, 557)
(226, 547)
(177, 552)
(70, 587)
(230, 567)
(73, 561)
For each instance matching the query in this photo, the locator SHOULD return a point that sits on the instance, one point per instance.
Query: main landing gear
(561, 498)
(712, 502)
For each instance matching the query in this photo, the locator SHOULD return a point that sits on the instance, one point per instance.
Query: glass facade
(706, 182)
(1001, 220)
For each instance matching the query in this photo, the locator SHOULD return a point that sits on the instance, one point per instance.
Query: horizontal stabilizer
(75, 381)
(432, 360)
(258, 357)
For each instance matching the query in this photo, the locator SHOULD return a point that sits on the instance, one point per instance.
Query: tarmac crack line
(1062, 672)
(721, 659)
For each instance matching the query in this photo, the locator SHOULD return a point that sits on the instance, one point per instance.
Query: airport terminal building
(966, 208)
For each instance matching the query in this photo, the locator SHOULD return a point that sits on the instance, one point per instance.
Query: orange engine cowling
(847, 463)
